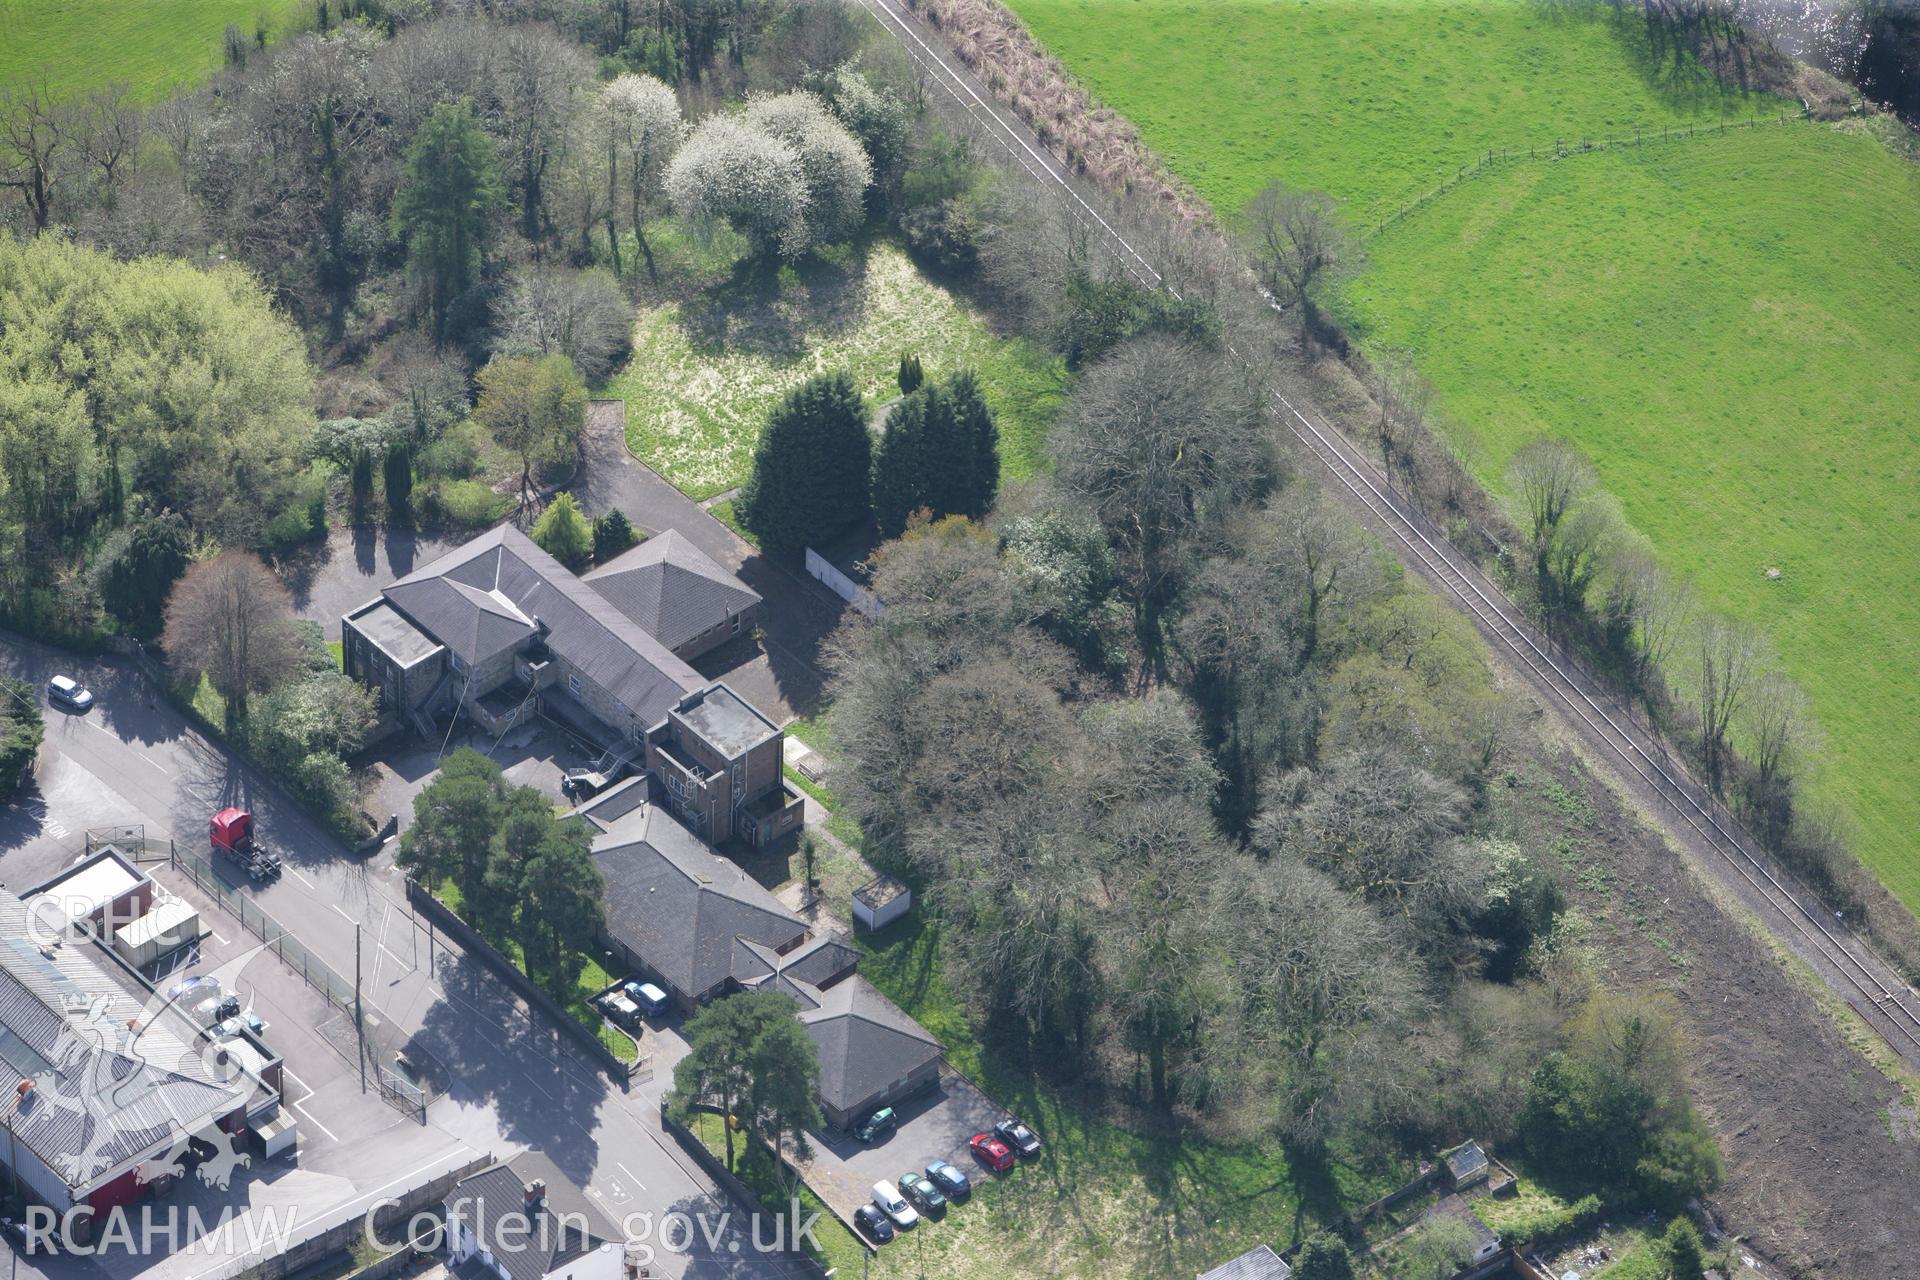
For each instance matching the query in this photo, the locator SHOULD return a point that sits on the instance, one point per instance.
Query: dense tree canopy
(809, 477)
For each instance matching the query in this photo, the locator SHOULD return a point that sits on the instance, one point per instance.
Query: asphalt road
(515, 1083)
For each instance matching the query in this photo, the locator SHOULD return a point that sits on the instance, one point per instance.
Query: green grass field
(1726, 323)
(1372, 101)
(149, 45)
(1744, 369)
(707, 369)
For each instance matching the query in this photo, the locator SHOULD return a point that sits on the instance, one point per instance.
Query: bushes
(563, 533)
(467, 504)
(612, 534)
(21, 729)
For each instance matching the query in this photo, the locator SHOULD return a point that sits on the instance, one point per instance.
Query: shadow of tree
(768, 309)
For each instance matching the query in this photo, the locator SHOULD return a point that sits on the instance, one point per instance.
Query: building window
(454, 664)
(573, 683)
(736, 624)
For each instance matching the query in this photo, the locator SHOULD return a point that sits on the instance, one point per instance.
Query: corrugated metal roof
(119, 1084)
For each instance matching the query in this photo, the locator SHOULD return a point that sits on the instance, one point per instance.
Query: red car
(991, 1152)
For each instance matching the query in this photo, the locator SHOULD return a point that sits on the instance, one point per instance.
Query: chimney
(536, 1196)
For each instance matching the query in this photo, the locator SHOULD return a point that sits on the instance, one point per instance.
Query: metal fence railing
(314, 971)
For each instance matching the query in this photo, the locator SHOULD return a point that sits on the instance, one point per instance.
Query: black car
(954, 1183)
(1024, 1141)
(870, 1220)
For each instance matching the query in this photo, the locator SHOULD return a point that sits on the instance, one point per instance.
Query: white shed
(881, 901)
(170, 925)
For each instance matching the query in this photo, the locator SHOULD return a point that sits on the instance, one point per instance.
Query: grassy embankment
(1724, 323)
(151, 46)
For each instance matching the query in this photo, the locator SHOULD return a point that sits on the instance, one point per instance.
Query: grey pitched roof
(679, 906)
(484, 596)
(671, 589)
(1257, 1263)
(113, 1083)
(568, 1227)
(866, 1041)
(818, 962)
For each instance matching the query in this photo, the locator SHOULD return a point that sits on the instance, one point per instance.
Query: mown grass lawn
(1105, 1199)
(1726, 323)
(151, 46)
(1728, 327)
(708, 368)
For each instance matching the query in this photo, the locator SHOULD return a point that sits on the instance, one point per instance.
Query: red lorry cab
(231, 829)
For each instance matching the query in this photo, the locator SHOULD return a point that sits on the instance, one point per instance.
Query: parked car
(622, 1010)
(67, 692)
(881, 1121)
(922, 1195)
(652, 1000)
(991, 1152)
(950, 1180)
(895, 1205)
(874, 1223)
(1018, 1136)
(179, 991)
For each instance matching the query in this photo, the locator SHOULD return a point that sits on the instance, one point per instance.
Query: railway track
(1865, 981)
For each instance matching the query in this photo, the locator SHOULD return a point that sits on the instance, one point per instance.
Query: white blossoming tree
(785, 174)
(832, 161)
(639, 120)
(729, 171)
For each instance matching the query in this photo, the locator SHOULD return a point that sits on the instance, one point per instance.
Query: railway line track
(1868, 984)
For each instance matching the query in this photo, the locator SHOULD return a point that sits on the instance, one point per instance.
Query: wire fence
(359, 1036)
(314, 971)
(1561, 148)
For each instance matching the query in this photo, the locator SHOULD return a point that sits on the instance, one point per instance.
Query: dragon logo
(149, 1085)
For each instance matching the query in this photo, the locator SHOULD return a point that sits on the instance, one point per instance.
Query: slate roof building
(509, 1222)
(677, 594)
(704, 929)
(106, 1091)
(500, 630)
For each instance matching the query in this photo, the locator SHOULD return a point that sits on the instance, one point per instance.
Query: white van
(894, 1205)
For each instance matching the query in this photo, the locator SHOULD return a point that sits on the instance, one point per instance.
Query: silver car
(67, 692)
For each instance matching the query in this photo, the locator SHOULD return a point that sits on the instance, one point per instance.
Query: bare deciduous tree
(1403, 398)
(34, 133)
(231, 618)
(1780, 731)
(640, 119)
(583, 315)
(1551, 477)
(1299, 246)
(1162, 437)
(1726, 660)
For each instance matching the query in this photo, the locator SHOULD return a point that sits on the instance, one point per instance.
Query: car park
(991, 1152)
(950, 1180)
(1017, 1136)
(895, 1205)
(67, 692)
(922, 1194)
(880, 1122)
(874, 1223)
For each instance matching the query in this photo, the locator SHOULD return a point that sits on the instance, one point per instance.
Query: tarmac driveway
(352, 567)
(934, 1123)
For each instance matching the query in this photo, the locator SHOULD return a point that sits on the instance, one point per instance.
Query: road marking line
(311, 885)
(336, 906)
(623, 1168)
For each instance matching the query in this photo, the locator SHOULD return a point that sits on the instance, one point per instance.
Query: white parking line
(302, 1110)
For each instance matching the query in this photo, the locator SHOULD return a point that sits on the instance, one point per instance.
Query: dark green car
(922, 1194)
(881, 1121)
